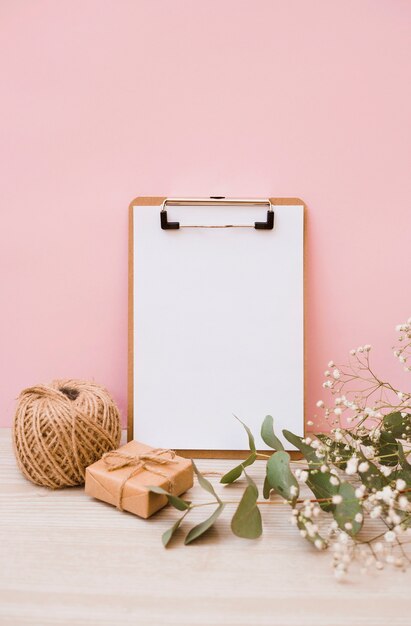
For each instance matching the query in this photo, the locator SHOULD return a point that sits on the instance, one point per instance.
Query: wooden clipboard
(156, 202)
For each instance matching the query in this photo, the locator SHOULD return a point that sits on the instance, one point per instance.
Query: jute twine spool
(61, 428)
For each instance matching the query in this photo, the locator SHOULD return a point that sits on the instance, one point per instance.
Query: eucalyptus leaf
(347, 509)
(175, 501)
(246, 521)
(322, 487)
(307, 451)
(170, 532)
(204, 483)
(372, 478)
(387, 449)
(200, 529)
(266, 489)
(306, 526)
(398, 424)
(405, 474)
(268, 436)
(280, 476)
(236, 472)
(338, 452)
(251, 442)
(402, 457)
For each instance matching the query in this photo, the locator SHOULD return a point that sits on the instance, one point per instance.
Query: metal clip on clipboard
(216, 201)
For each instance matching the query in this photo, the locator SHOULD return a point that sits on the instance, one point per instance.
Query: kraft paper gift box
(121, 477)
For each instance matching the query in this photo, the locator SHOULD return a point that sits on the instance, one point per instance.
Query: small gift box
(121, 477)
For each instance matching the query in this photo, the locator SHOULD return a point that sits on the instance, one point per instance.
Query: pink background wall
(106, 100)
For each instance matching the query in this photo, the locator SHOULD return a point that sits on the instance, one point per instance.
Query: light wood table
(68, 559)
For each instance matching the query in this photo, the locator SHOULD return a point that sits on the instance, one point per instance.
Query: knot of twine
(117, 460)
(61, 428)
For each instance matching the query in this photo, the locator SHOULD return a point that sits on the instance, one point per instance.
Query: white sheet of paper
(218, 326)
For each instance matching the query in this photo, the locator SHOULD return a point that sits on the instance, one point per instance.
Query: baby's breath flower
(376, 512)
(352, 465)
(400, 484)
(337, 499)
(389, 536)
(360, 491)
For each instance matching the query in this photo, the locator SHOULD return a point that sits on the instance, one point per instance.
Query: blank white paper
(218, 326)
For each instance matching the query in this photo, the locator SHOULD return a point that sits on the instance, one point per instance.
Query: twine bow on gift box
(116, 460)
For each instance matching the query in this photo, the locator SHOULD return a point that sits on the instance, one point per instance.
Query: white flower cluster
(343, 553)
(403, 351)
(360, 350)
(356, 446)
(304, 519)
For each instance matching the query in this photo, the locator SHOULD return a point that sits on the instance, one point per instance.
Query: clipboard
(153, 259)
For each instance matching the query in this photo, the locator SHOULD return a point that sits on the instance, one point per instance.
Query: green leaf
(320, 485)
(345, 511)
(204, 483)
(170, 532)
(338, 452)
(200, 529)
(318, 482)
(251, 442)
(372, 478)
(402, 457)
(405, 474)
(266, 489)
(280, 476)
(387, 449)
(307, 451)
(175, 501)
(236, 472)
(268, 436)
(398, 425)
(246, 522)
(306, 525)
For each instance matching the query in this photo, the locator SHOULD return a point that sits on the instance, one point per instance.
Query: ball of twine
(61, 428)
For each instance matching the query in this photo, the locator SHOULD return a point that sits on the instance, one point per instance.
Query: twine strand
(116, 460)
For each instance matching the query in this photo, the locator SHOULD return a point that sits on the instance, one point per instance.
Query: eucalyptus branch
(357, 471)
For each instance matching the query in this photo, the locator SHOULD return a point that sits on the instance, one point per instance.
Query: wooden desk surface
(68, 559)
